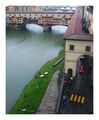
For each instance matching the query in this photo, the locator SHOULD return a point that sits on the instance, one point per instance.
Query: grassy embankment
(33, 93)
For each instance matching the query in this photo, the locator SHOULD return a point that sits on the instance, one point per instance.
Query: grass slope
(33, 93)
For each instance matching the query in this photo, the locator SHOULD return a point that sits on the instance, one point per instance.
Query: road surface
(78, 92)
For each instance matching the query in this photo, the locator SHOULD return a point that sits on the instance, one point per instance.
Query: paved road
(79, 100)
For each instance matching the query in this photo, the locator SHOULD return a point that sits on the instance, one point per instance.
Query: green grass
(33, 92)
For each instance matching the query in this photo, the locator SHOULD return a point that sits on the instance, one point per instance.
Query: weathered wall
(71, 56)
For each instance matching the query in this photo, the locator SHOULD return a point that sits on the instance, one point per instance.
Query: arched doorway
(86, 61)
(70, 72)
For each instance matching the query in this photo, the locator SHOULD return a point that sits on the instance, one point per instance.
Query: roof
(74, 30)
(88, 37)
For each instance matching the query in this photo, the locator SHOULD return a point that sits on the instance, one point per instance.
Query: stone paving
(49, 101)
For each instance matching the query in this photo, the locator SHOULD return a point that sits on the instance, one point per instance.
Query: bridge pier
(46, 27)
(20, 26)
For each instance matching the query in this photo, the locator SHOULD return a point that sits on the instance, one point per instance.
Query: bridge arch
(34, 28)
(55, 28)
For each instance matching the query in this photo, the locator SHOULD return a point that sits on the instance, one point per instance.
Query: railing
(60, 96)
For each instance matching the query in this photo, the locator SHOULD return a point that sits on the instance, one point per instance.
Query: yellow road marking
(75, 98)
(71, 97)
(83, 98)
(79, 99)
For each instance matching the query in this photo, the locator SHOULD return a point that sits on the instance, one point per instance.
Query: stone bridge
(18, 20)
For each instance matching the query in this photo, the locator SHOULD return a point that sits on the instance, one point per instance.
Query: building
(87, 17)
(24, 8)
(53, 20)
(77, 43)
(11, 8)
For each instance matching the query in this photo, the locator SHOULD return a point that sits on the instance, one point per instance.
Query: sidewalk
(48, 103)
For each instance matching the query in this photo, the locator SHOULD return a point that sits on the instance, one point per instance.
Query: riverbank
(31, 97)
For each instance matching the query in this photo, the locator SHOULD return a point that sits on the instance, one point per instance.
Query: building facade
(40, 17)
(77, 43)
(75, 49)
(87, 17)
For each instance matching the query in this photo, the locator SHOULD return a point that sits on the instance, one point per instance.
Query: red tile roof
(74, 30)
(80, 37)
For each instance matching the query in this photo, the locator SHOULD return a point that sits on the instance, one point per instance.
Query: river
(26, 52)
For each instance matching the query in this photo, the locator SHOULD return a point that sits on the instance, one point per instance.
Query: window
(88, 48)
(71, 47)
(90, 9)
